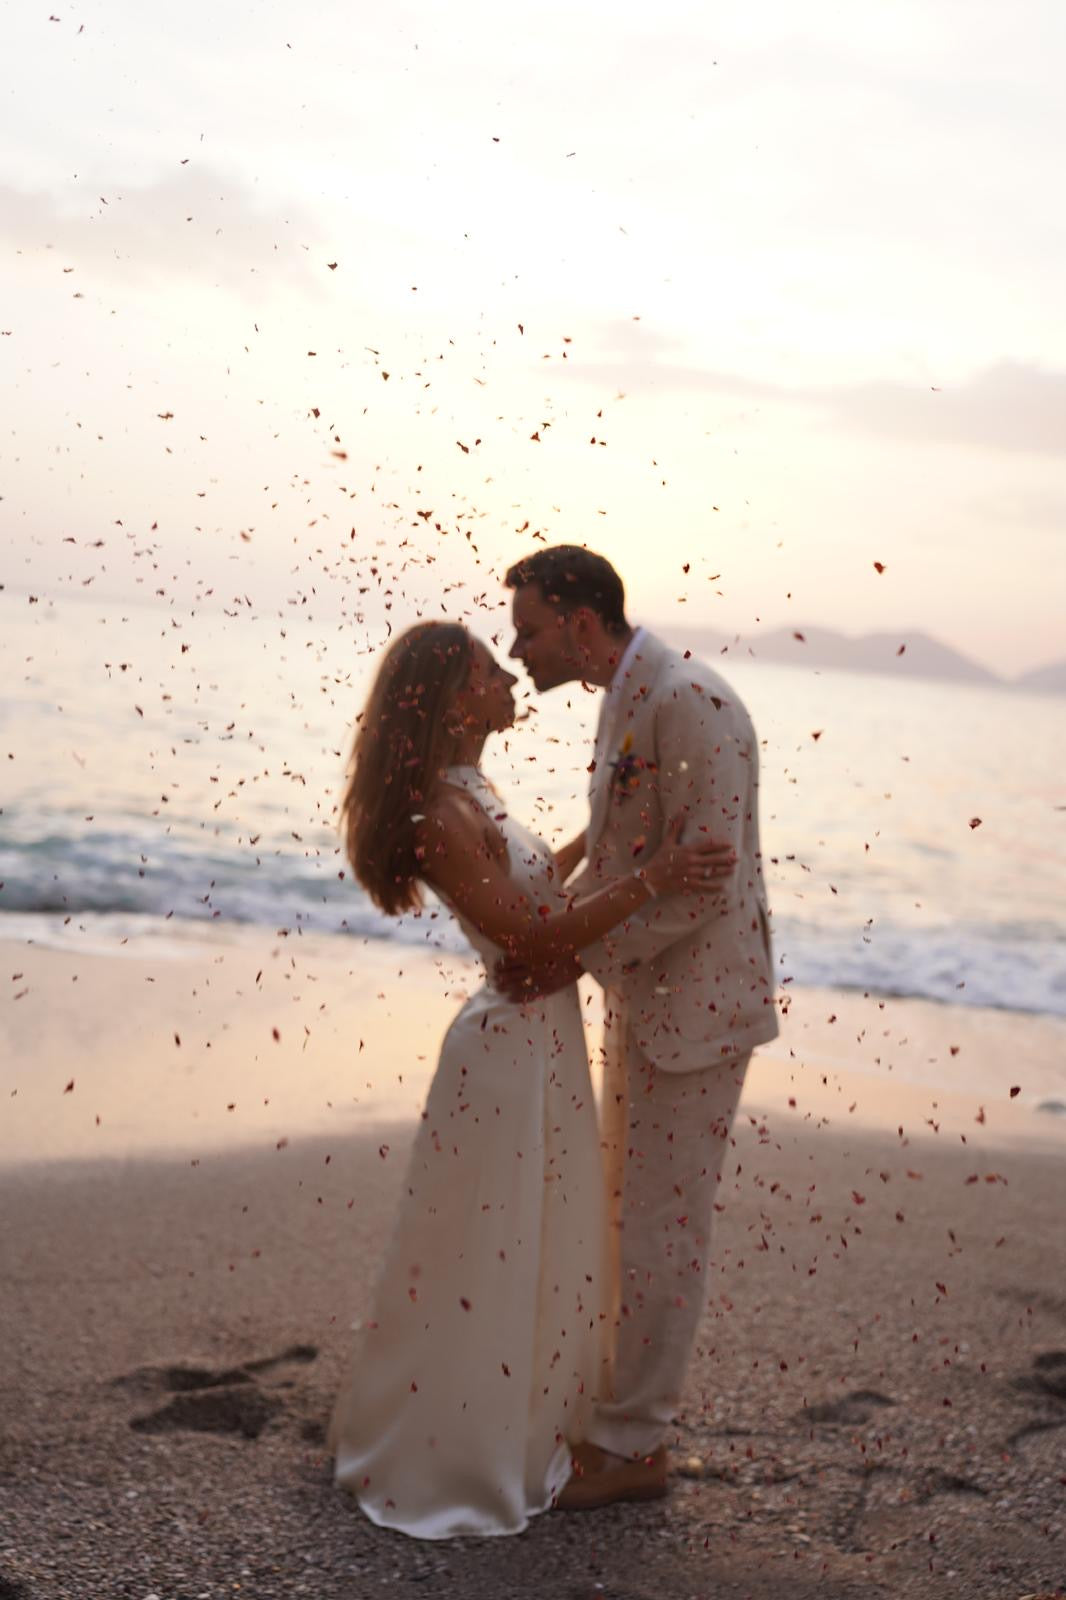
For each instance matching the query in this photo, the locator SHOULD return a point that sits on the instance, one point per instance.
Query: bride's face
(486, 701)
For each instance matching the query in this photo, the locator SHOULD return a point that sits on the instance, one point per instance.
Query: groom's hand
(519, 982)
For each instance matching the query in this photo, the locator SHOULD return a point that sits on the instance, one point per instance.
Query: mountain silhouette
(901, 653)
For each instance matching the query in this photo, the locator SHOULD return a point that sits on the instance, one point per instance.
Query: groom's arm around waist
(707, 764)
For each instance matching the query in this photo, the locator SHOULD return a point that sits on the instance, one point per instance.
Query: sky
(347, 308)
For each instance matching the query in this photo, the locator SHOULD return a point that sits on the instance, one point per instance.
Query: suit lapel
(614, 722)
(600, 781)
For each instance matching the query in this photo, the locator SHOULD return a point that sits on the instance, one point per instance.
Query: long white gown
(481, 1356)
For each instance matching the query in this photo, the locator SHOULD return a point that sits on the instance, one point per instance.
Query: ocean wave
(128, 874)
(1002, 966)
(180, 874)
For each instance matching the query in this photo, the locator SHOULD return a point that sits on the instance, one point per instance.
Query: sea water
(164, 770)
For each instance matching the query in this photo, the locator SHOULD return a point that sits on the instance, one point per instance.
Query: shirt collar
(626, 662)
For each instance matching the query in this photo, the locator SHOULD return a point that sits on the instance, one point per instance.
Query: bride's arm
(570, 856)
(461, 857)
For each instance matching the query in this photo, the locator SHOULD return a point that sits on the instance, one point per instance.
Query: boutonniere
(627, 767)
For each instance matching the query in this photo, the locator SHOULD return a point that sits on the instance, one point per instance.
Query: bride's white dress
(482, 1351)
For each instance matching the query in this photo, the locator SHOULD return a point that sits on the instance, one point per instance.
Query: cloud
(638, 358)
(1012, 406)
(196, 226)
(1036, 509)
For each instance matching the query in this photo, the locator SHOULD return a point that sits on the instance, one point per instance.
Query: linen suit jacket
(696, 971)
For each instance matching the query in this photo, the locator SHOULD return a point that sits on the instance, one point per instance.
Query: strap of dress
(482, 794)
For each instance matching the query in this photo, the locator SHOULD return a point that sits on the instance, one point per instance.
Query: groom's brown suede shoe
(599, 1479)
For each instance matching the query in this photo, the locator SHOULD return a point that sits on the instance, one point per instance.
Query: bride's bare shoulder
(455, 822)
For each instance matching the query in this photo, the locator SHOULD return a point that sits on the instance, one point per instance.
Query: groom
(688, 983)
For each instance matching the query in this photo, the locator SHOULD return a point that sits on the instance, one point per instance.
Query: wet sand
(877, 1404)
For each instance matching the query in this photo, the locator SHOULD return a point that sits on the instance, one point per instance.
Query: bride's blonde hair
(404, 737)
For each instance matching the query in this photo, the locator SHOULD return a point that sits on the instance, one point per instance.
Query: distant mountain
(906, 654)
(1044, 680)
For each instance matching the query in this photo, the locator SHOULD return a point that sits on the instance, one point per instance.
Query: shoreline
(252, 1038)
(116, 934)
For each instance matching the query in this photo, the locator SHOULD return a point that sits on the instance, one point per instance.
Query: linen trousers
(666, 1141)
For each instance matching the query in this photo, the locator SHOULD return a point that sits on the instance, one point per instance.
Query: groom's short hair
(570, 577)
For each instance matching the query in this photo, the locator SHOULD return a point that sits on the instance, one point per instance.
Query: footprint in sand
(212, 1399)
(1050, 1371)
(1046, 1381)
(245, 1410)
(597, 1591)
(1047, 1377)
(857, 1407)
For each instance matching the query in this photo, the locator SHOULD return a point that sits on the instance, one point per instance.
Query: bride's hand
(697, 868)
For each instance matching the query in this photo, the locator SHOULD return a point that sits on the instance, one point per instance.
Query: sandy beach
(199, 1157)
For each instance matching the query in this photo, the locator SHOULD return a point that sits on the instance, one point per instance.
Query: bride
(483, 1349)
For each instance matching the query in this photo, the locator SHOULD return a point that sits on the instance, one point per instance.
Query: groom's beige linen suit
(689, 994)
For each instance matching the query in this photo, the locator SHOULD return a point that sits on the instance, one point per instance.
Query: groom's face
(546, 642)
